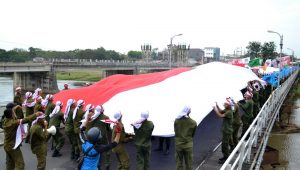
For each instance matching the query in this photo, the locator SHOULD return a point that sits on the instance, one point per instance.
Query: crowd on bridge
(92, 134)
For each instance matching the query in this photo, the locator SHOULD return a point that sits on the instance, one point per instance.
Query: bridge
(249, 152)
(33, 75)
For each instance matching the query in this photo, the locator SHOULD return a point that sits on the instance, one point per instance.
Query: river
(287, 140)
(6, 88)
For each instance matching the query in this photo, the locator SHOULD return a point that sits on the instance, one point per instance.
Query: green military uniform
(49, 108)
(18, 99)
(38, 138)
(105, 132)
(184, 132)
(76, 123)
(69, 129)
(14, 157)
(38, 108)
(227, 132)
(58, 137)
(236, 124)
(247, 117)
(256, 105)
(142, 141)
(19, 112)
(29, 111)
(119, 150)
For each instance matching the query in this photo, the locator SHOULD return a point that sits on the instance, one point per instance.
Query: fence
(261, 125)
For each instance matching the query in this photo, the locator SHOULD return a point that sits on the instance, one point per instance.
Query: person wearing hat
(18, 96)
(69, 128)
(185, 129)
(143, 129)
(94, 120)
(29, 104)
(49, 106)
(38, 138)
(247, 107)
(91, 148)
(227, 130)
(236, 123)
(120, 151)
(14, 156)
(56, 117)
(78, 114)
(255, 98)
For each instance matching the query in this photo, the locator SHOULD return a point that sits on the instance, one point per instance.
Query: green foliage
(253, 48)
(21, 55)
(81, 76)
(268, 51)
(134, 55)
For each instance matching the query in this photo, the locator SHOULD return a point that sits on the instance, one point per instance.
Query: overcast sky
(124, 25)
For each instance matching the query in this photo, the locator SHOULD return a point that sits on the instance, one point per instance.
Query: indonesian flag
(164, 94)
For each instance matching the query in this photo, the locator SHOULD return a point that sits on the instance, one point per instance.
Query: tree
(268, 51)
(134, 55)
(253, 48)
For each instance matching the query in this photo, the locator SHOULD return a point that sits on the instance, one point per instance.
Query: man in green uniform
(56, 117)
(120, 151)
(18, 97)
(29, 104)
(94, 120)
(236, 124)
(49, 107)
(227, 130)
(69, 128)
(185, 129)
(78, 114)
(14, 157)
(38, 138)
(38, 105)
(255, 98)
(247, 107)
(143, 129)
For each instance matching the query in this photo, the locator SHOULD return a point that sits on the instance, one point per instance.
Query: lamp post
(292, 53)
(281, 44)
(171, 47)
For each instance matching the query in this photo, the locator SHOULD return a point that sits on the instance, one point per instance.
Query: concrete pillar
(29, 81)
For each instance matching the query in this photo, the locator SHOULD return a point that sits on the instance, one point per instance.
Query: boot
(76, 157)
(72, 156)
(56, 153)
(222, 160)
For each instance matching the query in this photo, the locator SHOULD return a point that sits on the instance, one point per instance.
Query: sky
(124, 25)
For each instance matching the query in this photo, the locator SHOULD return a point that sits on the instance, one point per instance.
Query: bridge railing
(262, 124)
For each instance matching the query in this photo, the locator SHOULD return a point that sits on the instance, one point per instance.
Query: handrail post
(242, 153)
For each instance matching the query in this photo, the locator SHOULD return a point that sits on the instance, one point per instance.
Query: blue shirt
(90, 161)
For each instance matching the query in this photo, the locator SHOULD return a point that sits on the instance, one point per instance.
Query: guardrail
(262, 123)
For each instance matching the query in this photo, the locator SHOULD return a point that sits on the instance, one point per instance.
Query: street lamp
(171, 47)
(281, 44)
(292, 53)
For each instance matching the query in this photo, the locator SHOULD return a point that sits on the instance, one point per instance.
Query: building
(212, 53)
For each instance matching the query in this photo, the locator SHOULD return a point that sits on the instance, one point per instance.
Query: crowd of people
(36, 119)
(255, 95)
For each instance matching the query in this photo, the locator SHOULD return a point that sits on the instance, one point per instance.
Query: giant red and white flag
(164, 94)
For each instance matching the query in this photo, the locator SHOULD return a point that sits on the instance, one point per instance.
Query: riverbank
(91, 76)
(285, 136)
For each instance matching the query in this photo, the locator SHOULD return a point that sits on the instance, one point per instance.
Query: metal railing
(261, 125)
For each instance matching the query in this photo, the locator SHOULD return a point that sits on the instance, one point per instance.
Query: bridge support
(29, 81)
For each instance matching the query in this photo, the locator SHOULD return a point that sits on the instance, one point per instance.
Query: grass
(81, 76)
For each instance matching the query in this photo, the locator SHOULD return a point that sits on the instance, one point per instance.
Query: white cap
(145, 114)
(118, 115)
